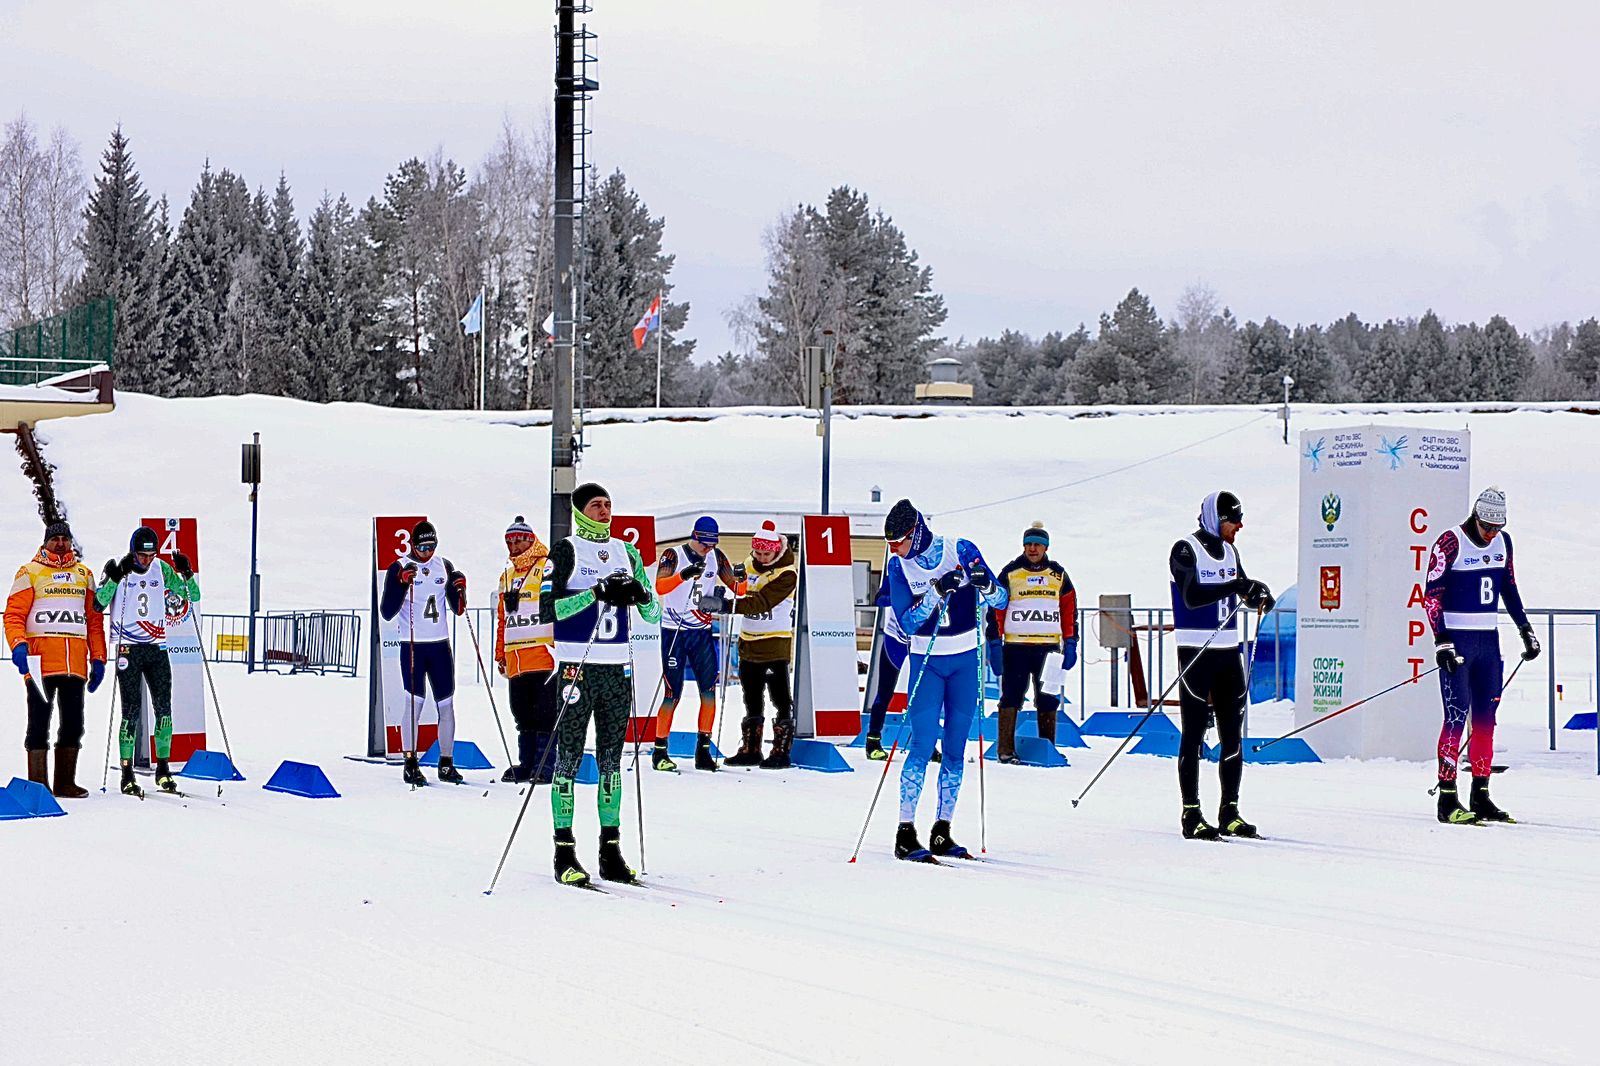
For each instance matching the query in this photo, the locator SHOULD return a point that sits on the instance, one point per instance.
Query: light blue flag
(472, 322)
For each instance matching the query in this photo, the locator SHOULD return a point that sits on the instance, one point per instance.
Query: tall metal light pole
(563, 462)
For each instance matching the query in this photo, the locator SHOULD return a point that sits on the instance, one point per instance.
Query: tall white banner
(388, 703)
(827, 701)
(1372, 500)
(184, 651)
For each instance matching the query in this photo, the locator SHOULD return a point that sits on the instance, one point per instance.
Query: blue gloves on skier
(19, 655)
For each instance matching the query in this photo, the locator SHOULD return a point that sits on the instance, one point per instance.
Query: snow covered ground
(258, 927)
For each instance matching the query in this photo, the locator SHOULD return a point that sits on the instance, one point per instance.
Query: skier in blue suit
(938, 589)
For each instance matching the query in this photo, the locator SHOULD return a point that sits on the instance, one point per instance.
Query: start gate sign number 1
(185, 649)
(644, 638)
(827, 694)
(387, 702)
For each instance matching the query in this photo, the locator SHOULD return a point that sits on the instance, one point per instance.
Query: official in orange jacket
(58, 643)
(524, 651)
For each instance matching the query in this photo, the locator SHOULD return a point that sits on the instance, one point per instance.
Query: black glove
(408, 573)
(511, 599)
(459, 580)
(180, 563)
(1255, 594)
(113, 571)
(129, 565)
(635, 594)
(740, 573)
(693, 570)
(1530, 643)
(714, 602)
(611, 590)
(980, 577)
(948, 583)
(1448, 658)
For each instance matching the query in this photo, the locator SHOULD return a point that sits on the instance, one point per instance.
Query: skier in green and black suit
(592, 581)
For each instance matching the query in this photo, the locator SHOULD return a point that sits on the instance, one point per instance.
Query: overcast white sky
(1304, 160)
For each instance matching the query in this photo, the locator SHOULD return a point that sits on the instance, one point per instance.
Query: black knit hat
(586, 493)
(901, 521)
(58, 528)
(423, 535)
(144, 539)
(1036, 534)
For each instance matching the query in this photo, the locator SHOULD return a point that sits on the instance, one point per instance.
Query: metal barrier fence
(294, 642)
(1562, 683)
(61, 344)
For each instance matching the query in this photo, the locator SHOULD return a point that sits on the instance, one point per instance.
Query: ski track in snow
(261, 928)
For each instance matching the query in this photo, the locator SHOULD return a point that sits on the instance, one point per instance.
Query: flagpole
(483, 334)
(659, 311)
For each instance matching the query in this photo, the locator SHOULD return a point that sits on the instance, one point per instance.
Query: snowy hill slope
(259, 928)
(329, 469)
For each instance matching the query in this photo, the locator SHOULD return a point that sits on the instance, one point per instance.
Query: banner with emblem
(1372, 500)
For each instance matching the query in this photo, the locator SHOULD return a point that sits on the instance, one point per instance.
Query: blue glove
(19, 655)
(1069, 653)
(995, 652)
(97, 674)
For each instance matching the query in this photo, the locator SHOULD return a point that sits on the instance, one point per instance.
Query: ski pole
(227, 748)
(1156, 704)
(900, 729)
(638, 778)
(555, 733)
(488, 684)
(983, 792)
(1467, 738)
(1341, 710)
(116, 683)
(411, 653)
(727, 666)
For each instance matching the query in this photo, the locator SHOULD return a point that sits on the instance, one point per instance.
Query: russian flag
(650, 321)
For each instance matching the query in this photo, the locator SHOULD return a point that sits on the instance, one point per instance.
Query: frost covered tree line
(233, 293)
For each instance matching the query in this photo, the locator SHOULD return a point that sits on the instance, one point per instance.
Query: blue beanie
(705, 530)
(1036, 534)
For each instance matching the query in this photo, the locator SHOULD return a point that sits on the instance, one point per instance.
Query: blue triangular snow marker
(468, 756)
(210, 766)
(1581, 720)
(681, 746)
(301, 779)
(891, 723)
(35, 800)
(588, 771)
(818, 755)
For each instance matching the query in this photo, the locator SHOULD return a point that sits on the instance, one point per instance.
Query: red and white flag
(650, 321)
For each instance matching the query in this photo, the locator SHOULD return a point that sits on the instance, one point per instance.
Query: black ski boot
(875, 750)
(749, 753)
(782, 744)
(447, 770)
(908, 847)
(613, 867)
(660, 760)
(702, 753)
(1231, 824)
(412, 774)
(522, 770)
(941, 844)
(1194, 824)
(130, 787)
(568, 869)
(1483, 806)
(164, 779)
(1450, 810)
(937, 756)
